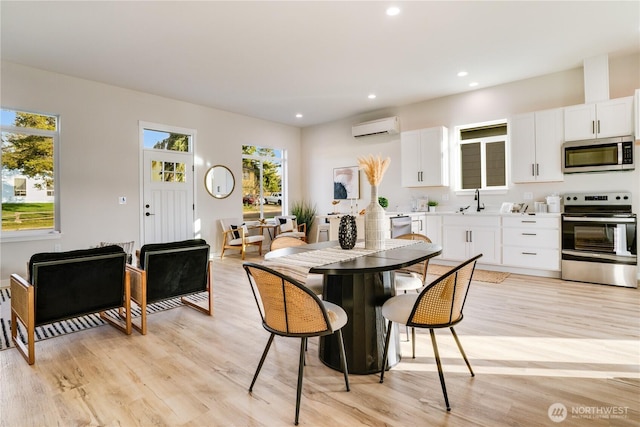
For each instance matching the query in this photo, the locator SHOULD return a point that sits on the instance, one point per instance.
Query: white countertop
(469, 212)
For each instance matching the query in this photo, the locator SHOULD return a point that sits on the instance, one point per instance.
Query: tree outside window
(28, 175)
(262, 176)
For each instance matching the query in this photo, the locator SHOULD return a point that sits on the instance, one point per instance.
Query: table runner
(298, 265)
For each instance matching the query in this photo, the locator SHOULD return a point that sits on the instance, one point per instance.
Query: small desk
(360, 286)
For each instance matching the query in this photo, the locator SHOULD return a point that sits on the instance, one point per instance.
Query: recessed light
(393, 11)
(473, 84)
(372, 96)
(299, 115)
(462, 73)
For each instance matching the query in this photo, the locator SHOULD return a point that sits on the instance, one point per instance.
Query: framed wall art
(346, 183)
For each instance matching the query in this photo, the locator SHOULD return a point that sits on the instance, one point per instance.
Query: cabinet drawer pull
(524, 221)
(529, 234)
(529, 253)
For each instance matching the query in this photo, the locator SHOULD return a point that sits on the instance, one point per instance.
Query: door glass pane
(156, 171)
(167, 171)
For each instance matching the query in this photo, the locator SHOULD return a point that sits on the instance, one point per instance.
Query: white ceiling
(271, 59)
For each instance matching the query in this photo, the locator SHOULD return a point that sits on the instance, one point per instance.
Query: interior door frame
(142, 125)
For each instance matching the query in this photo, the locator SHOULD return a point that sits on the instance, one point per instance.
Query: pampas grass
(374, 167)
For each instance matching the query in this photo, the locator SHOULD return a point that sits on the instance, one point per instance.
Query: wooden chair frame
(139, 295)
(23, 310)
(228, 236)
(302, 228)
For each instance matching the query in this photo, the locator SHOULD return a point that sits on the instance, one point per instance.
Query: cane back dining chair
(439, 305)
(313, 281)
(411, 278)
(289, 309)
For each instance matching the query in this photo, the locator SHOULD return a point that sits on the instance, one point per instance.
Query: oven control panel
(590, 199)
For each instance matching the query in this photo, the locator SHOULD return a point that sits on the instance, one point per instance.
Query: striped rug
(75, 324)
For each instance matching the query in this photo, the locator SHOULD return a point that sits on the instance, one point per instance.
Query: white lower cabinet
(434, 228)
(464, 236)
(418, 224)
(531, 242)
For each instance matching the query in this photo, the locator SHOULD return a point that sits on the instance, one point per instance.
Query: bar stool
(320, 228)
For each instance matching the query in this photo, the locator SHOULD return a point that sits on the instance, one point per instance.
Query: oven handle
(596, 256)
(615, 220)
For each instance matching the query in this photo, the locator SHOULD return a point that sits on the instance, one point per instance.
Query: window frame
(283, 177)
(503, 189)
(44, 233)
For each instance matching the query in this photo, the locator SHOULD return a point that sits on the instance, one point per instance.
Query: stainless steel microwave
(598, 155)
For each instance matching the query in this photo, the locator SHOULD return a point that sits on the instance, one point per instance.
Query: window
(29, 144)
(483, 156)
(19, 187)
(161, 140)
(262, 182)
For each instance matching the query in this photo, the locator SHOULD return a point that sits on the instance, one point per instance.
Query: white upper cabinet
(600, 120)
(424, 157)
(536, 146)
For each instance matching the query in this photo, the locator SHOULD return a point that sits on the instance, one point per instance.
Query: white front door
(167, 205)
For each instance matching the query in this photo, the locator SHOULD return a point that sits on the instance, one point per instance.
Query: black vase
(347, 232)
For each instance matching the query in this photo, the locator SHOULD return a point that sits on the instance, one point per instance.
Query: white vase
(374, 223)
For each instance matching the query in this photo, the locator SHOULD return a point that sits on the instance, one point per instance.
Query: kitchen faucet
(477, 198)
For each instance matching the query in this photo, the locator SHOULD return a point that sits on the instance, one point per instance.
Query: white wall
(331, 145)
(99, 157)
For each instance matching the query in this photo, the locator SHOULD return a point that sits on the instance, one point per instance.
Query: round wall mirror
(219, 181)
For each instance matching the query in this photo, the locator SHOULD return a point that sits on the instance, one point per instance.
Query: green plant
(304, 212)
(383, 201)
(432, 203)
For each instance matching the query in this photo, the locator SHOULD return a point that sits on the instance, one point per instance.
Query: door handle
(148, 214)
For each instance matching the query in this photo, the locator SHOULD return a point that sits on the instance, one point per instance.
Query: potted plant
(304, 212)
(383, 202)
(432, 205)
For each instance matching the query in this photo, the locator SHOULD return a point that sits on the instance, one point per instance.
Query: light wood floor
(532, 342)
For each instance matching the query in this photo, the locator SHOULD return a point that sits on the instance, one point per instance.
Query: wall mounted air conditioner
(389, 126)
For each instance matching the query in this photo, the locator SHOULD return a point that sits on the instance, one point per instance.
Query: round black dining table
(360, 286)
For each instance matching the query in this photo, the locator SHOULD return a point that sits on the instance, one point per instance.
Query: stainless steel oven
(599, 239)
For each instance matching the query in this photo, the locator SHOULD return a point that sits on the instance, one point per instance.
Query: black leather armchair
(63, 285)
(170, 270)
